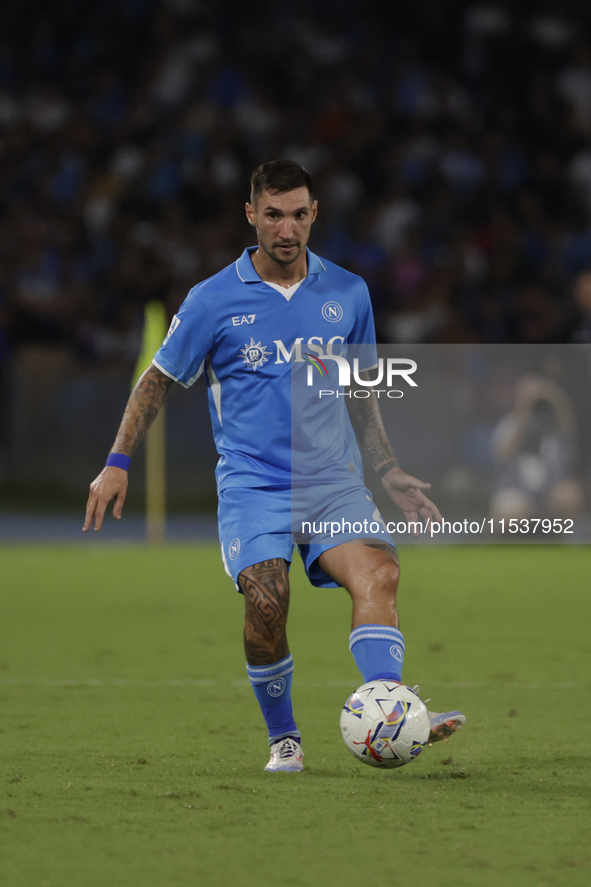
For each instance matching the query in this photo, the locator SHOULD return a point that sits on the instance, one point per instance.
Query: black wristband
(386, 467)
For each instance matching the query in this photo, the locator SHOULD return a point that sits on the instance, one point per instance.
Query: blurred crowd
(450, 145)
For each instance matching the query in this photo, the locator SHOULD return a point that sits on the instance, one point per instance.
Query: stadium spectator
(451, 144)
(582, 294)
(535, 450)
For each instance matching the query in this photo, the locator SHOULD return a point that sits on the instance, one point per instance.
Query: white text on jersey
(296, 348)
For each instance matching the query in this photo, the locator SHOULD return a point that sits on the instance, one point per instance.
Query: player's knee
(386, 575)
(265, 587)
(379, 581)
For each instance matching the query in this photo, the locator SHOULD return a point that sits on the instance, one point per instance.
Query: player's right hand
(408, 493)
(110, 484)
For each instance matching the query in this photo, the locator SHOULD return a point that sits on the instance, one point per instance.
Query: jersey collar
(246, 270)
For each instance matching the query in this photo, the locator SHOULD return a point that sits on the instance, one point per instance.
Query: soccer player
(246, 328)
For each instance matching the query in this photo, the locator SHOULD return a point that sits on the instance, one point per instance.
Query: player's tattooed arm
(406, 491)
(142, 408)
(369, 428)
(265, 587)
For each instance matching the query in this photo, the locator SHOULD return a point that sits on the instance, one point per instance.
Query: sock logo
(276, 688)
(396, 652)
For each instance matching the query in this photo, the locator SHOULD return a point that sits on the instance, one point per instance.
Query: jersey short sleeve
(190, 337)
(363, 333)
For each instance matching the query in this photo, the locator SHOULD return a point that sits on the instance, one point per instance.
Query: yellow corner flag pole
(155, 324)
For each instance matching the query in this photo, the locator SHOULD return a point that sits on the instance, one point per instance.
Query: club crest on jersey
(254, 355)
(332, 312)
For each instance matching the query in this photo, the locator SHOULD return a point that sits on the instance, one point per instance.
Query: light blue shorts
(258, 524)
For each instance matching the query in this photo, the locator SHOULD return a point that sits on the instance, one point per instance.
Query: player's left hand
(407, 492)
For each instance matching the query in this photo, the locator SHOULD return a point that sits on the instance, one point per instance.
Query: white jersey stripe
(174, 378)
(216, 389)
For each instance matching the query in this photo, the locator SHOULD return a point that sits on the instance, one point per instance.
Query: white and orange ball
(385, 724)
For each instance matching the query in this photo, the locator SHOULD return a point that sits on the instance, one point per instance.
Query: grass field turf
(132, 747)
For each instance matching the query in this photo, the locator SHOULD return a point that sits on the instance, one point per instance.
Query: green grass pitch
(132, 749)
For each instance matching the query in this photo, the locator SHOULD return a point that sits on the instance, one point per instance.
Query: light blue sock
(378, 651)
(272, 688)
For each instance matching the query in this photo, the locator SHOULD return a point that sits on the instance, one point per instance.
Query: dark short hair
(278, 176)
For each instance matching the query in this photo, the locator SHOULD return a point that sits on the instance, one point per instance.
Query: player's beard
(277, 256)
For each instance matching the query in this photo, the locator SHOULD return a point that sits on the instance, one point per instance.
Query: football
(385, 724)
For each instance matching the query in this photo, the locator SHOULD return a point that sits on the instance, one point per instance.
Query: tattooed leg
(265, 587)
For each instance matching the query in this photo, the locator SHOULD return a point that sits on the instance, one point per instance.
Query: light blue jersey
(248, 338)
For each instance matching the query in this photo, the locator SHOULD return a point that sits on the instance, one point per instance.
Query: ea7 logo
(243, 318)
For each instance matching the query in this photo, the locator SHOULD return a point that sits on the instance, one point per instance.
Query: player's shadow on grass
(556, 786)
(445, 775)
(313, 772)
(372, 773)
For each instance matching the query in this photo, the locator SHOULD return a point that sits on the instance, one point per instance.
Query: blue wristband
(118, 460)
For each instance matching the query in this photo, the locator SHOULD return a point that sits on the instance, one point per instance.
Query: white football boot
(286, 756)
